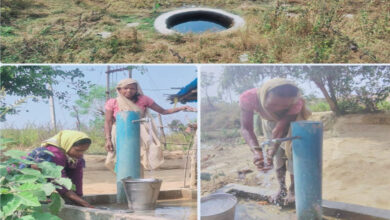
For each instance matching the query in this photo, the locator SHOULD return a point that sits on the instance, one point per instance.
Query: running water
(266, 175)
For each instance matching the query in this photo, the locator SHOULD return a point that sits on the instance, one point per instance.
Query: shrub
(384, 106)
(321, 106)
(23, 189)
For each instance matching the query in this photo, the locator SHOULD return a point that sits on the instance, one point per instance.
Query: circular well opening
(197, 20)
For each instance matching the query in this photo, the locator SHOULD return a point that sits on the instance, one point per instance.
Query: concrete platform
(71, 212)
(332, 209)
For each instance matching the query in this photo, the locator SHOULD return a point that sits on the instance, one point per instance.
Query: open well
(197, 20)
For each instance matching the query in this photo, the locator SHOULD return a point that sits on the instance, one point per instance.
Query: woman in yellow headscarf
(278, 102)
(67, 149)
(131, 98)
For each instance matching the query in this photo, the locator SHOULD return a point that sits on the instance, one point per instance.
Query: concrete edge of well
(182, 193)
(77, 212)
(160, 24)
(330, 208)
(352, 211)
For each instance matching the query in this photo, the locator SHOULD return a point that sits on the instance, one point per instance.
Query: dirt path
(99, 180)
(356, 164)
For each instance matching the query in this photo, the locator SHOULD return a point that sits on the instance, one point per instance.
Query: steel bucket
(141, 194)
(218, 206)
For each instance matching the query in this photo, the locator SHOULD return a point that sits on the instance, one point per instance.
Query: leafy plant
(23, 190)
(384, 106)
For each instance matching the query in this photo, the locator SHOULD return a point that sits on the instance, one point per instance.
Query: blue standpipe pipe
(127, 150)
(307, 160)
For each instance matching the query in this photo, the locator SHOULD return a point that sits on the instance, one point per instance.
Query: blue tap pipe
(127, 150)
(307, 160)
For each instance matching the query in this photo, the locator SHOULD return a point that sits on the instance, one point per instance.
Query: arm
(109, 120)
(280, 131)
(247, 131)
(163, 111)
(281, 128)
(250, 138)
(76, 175)
(77, 199)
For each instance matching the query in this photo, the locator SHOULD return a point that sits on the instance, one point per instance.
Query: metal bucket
(141, 194)
(218, 206)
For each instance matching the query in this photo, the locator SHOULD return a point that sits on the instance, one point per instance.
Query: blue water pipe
(127, 150)
(307, 160)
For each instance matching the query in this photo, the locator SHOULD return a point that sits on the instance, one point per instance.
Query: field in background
(287, 31)
(223, 120)
(32, 135)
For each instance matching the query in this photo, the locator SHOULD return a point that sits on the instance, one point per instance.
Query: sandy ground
(99, 180)
(356, 164)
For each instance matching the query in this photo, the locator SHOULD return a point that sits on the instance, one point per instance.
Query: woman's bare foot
(278, 198)
(290, 198)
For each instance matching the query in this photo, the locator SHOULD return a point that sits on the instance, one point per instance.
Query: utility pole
(108, 72)
(108, 83)
(130, 72)
(52, 110)
(162, 132)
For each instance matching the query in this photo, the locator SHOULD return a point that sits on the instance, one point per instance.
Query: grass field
(31, 136)
(288, 31)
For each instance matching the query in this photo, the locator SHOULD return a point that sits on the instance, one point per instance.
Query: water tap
(277, 141)
(141, 120)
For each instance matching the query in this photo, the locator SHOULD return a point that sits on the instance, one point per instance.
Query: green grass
(319, 33)
(319, 106)
(31, 136)
(7, 31)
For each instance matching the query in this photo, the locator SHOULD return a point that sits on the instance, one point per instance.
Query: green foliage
(25, 81)
(156, 6)
(359, 88)
(319, 106)
(6, 31)
(28, 137)
(22, 189)
(384, 106)
(349, 106)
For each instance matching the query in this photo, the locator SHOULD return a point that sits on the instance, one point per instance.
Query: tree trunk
(77, 118)
(331, 102)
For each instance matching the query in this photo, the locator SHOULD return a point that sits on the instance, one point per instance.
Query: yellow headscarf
(262, 93)
(124, 103)
(65, 139)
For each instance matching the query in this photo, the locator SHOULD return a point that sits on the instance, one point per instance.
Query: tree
(91, 102)
(206, 82)
(176, 126)
(345, 88)
(24, 81)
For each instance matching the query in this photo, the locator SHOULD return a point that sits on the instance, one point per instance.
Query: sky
(217, 70)
(157, 82)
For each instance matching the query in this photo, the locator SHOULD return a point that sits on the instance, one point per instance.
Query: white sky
(156, 83)
(217, 70)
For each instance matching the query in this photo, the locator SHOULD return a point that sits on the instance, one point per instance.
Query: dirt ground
(99, 180)
(356, 165)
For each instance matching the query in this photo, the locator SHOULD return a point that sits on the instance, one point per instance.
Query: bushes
(319, 106)
(23, 189)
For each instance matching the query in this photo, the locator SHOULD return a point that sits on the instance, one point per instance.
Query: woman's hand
(109, 146)
(258, 159)
(280, 129)
(188, 108)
